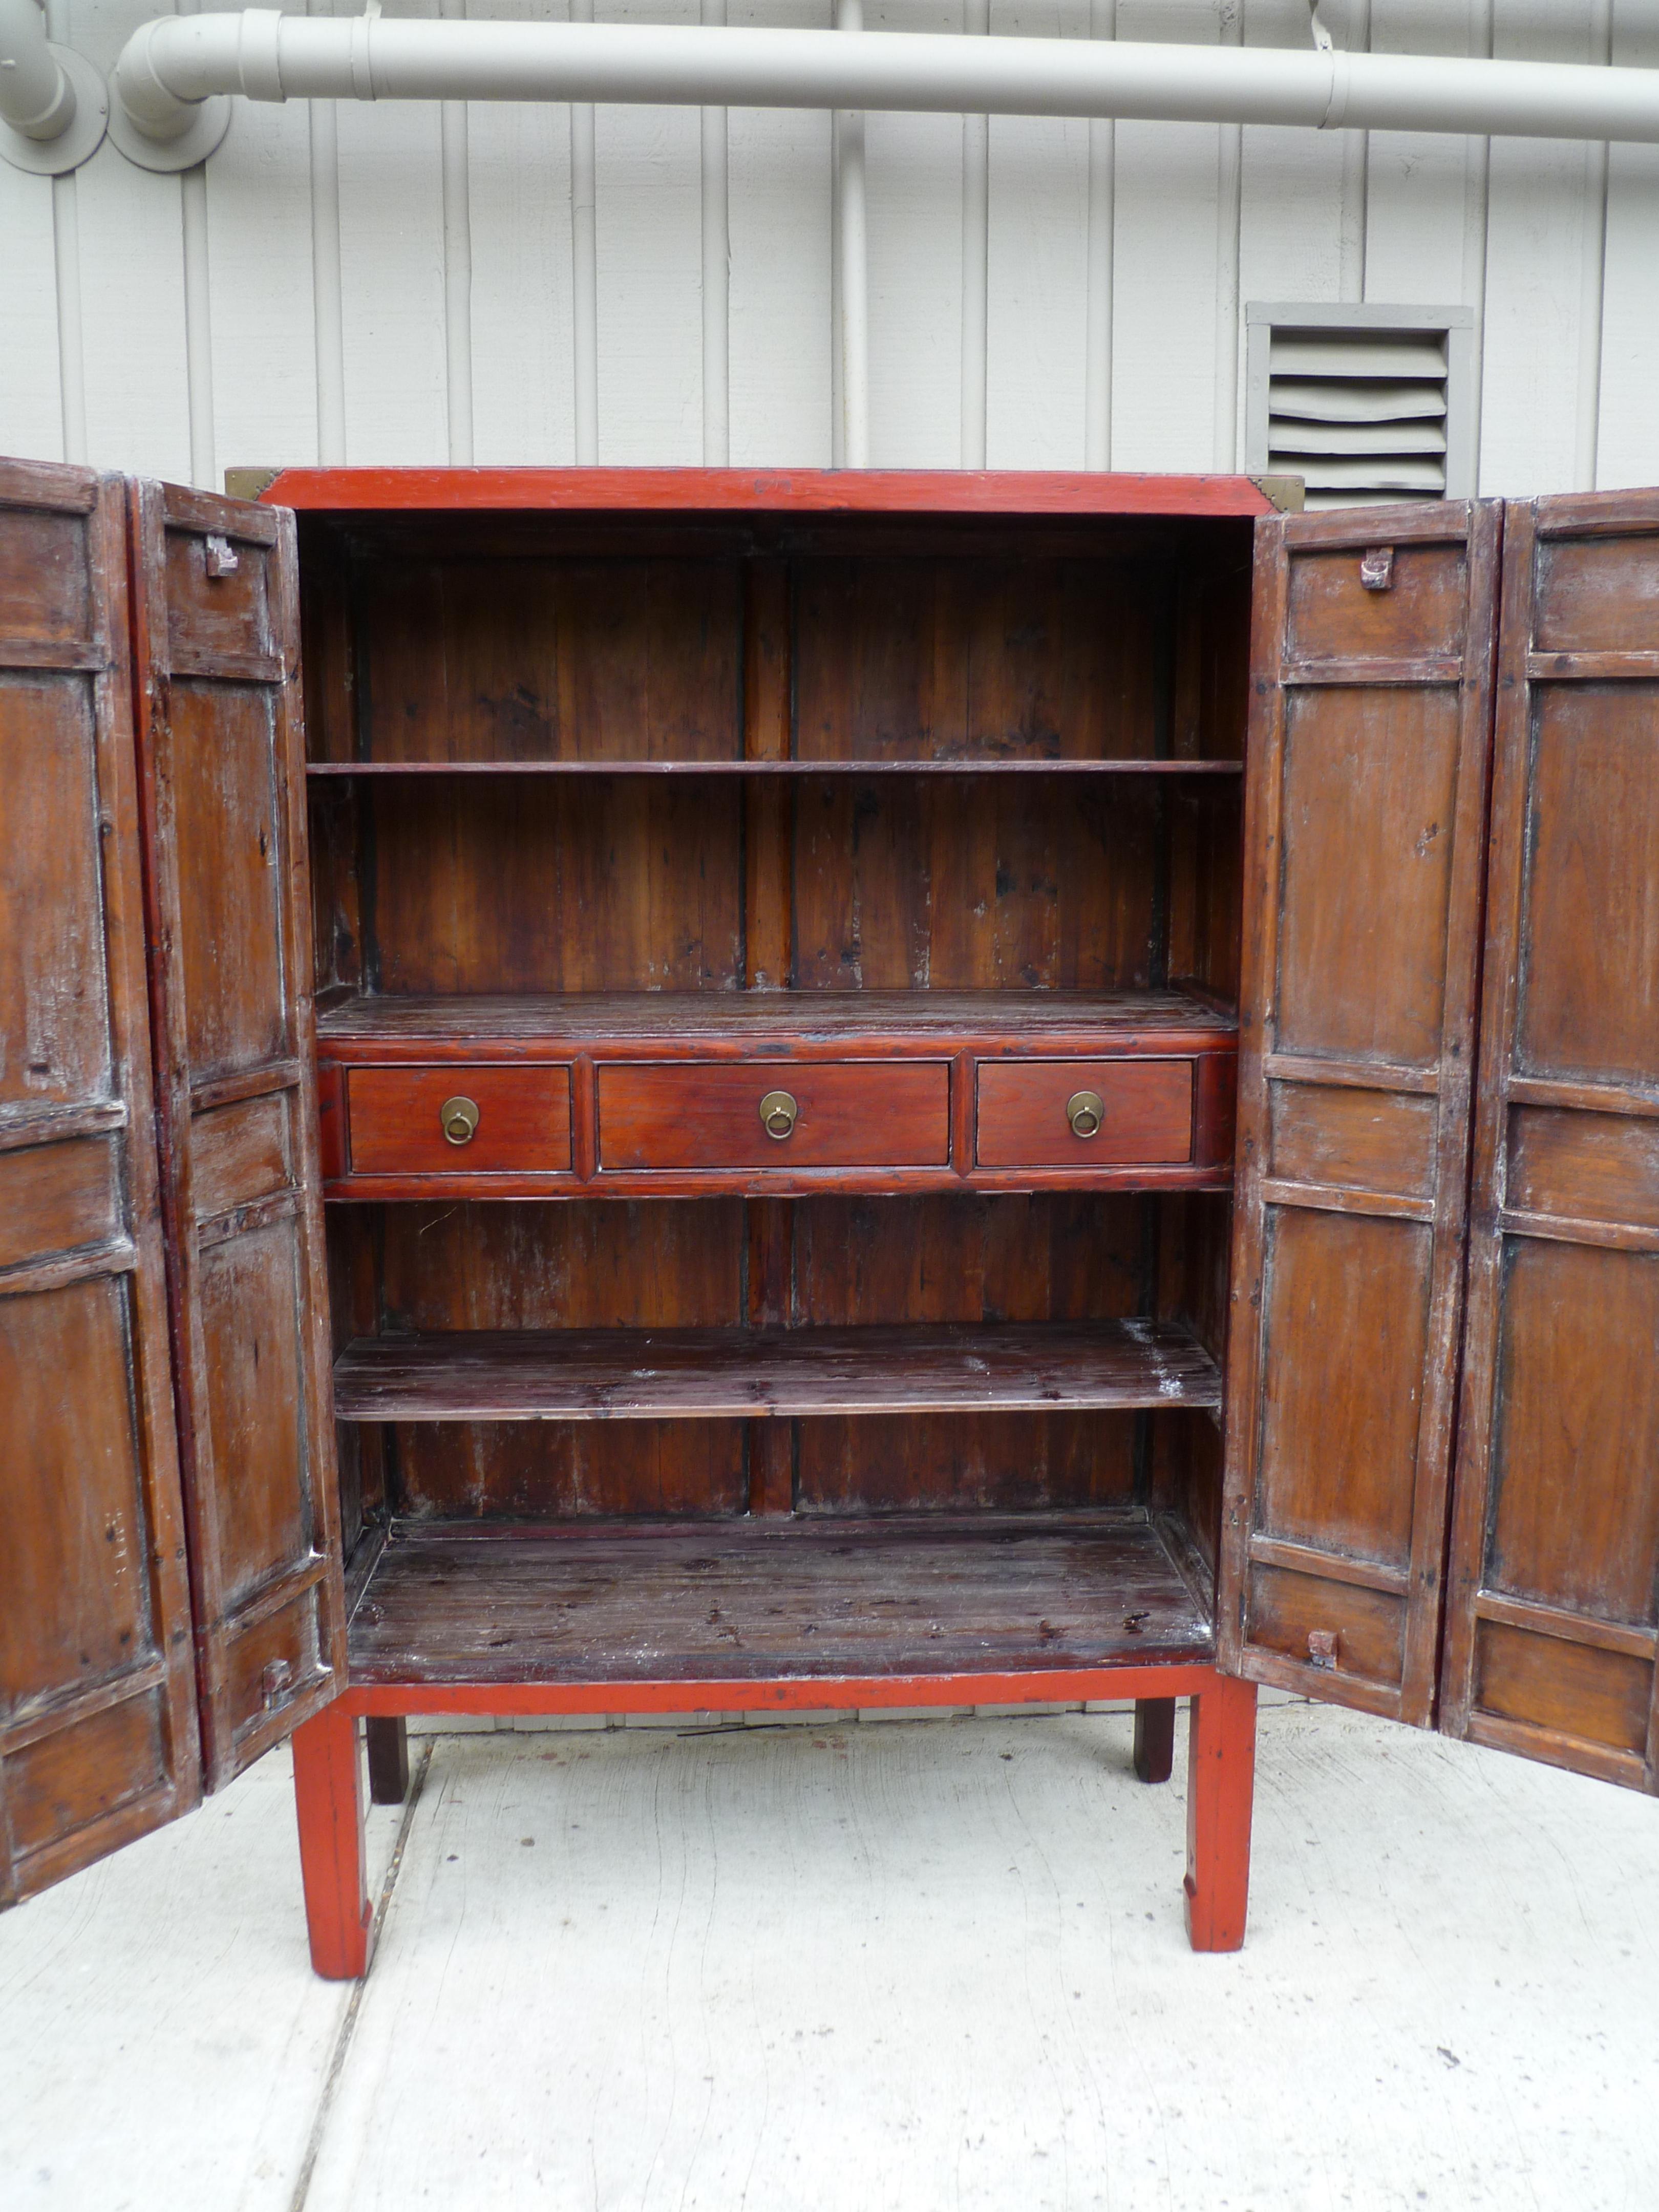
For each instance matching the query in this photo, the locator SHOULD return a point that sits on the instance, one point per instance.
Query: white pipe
(1477, 205)
(852, 291)
(198, 329)
(174, 61)
(716, 278)
(976, 259)
(1103, 221)
(854, 331)
(327, 304)
(1229, 234)
(1356, 182)
(36, 96)
(584, 268)
(454, 160)
(1592, 301)
(71, 348)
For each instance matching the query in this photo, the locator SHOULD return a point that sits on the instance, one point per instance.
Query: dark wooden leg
(1221, 1791)
(1155, 1738)
(329, 1802)
(388, 1758)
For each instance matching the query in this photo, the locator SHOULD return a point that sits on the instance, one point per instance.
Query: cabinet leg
(1155, 1738)
(1221, 1791)
(329, 1802)
(387, 1740)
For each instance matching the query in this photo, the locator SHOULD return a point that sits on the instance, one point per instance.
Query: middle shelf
(701, 1374)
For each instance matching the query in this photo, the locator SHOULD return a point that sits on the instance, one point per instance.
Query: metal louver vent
(1364, 409)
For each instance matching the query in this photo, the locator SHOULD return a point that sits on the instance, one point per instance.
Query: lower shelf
(750, 1600)
(621, 1374)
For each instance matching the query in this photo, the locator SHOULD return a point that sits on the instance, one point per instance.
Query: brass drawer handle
(1086, 1112)
(459, 1119)
(777, 1112)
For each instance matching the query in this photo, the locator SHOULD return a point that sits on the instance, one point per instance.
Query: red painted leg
(328, 1799)
(1220, 1790)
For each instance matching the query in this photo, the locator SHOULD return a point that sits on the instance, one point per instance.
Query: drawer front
(1146, 1115)
(523, 1119)
(859, 1114)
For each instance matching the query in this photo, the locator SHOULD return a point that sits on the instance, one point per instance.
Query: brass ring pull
(777, 1112)
(1086, 1112)
(459, 1119)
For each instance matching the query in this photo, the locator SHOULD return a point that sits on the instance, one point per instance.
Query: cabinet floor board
(737, 1601)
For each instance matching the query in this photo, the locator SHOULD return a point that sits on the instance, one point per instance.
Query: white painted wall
(1569, 378)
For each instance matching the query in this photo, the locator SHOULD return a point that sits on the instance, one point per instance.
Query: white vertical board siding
(1036, 381)
(1039, 279)
(31, 419)
(1163, 335)
(1422, 244)
(649, 221)
(1629, 447)
(521, 284)
(778, 167)
(1629, 337)
(912, 185)
(132, 285)
(1534, 241)
(259, 292)
(392, 281)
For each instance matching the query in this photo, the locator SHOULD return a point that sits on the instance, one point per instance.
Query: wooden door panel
(221, 753)
(98, 1732)
(1372, 669)
(1369, 790)
(1340, 1471)
(1552, 1624)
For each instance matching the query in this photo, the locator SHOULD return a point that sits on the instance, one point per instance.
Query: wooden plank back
(1365, 813)
(1554, 1610)
(222, 766)
(98, 1733)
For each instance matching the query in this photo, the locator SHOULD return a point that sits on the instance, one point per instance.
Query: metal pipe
(172, 63)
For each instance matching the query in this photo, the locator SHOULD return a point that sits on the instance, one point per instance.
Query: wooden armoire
(677, 1089)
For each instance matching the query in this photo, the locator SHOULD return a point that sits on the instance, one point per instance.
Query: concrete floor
(910, 1964)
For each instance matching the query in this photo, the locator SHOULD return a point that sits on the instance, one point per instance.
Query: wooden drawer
(1024, 1122)
(523, 1125)
(857, 1114)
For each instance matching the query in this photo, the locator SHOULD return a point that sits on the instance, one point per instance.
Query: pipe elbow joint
(171, 107)
(142, 91)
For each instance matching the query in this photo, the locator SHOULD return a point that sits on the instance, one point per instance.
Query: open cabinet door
(1372, 670)
(98, 1736)
(1554, 1601)
(222, 766)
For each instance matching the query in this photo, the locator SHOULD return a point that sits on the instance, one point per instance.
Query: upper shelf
(622, 1374)
(958, 767)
